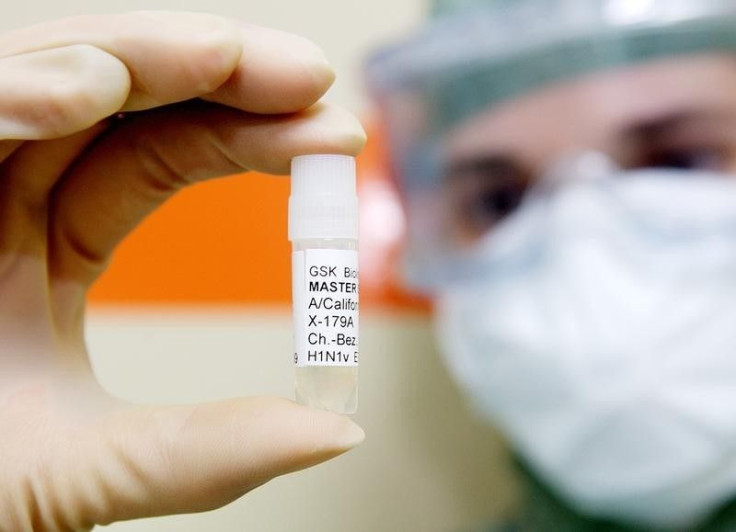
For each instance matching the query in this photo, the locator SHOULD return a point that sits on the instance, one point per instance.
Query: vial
(323, 230)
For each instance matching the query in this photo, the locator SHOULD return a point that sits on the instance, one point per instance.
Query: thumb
(158, 461)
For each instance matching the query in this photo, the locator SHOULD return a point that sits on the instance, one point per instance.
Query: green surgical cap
(479, 52)
(444, 7)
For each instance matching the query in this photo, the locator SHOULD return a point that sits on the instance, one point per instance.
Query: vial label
(325, 295)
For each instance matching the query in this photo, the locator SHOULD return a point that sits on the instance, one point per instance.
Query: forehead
(589, 109)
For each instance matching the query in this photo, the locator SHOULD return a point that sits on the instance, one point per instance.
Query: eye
(711, 158)
(481, 193)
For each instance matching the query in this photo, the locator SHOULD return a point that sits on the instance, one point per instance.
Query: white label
(325, 296)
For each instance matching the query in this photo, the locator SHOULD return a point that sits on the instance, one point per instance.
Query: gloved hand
(213, 97)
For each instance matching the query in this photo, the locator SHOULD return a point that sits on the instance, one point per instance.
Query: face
(678, 113)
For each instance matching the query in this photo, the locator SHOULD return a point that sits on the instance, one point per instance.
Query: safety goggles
(665, 212)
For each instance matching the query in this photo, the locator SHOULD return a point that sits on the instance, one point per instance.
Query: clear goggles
(458, 235)
(463, 65)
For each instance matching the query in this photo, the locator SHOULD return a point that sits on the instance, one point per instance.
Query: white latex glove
(214, 97)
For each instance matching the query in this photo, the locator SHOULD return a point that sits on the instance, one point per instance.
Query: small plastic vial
(323, 229)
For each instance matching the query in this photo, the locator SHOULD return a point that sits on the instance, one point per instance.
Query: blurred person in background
(568, 175)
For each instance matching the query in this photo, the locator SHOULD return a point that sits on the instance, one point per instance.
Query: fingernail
(350, 435)
(288, 46)
(315, 56)
(316, 61)
(342, 130)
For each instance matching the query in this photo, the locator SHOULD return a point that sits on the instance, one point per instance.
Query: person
(568, 176)
(102, 118)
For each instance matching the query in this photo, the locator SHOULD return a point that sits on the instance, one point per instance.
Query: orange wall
(225, 242)
(222, 241)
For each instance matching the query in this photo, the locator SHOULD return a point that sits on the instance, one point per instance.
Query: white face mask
(607, 353)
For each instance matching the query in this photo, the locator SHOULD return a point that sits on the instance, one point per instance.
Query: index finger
(176, 56)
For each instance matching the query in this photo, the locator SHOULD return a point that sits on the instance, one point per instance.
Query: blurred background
(183, 316)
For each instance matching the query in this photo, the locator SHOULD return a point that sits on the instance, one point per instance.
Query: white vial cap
(323, 201)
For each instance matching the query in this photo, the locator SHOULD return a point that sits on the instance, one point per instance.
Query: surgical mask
(601, 338)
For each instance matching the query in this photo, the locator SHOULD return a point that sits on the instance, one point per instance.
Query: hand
(211, 97)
